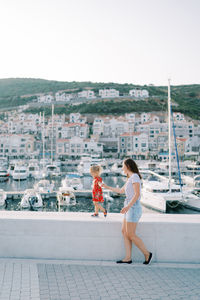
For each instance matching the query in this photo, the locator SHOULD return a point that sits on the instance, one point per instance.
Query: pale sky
(134, 41)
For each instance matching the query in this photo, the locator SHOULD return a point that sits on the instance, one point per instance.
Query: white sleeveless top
(129, 190)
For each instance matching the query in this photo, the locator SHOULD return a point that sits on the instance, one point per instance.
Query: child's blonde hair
(95, 169)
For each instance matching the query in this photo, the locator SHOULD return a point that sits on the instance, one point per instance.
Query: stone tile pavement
(60, 280)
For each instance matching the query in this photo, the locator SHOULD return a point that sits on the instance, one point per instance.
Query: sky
(124, 41)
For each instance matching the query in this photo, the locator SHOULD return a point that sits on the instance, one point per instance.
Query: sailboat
(158, 193)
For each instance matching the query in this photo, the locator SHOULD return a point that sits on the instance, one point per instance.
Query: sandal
(95, 215)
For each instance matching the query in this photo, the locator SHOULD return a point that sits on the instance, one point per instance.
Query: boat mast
(52, 133)
(169, 133)
(43, 154)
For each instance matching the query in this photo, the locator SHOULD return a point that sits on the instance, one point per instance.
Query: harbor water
(83, 204)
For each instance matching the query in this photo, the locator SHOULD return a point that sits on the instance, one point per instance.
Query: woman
(132, 211)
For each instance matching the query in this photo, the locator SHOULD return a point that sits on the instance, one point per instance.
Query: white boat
(158, 191)
(84, 166)
(52, 170)
(117, 168)
(4, 162)
(44, 186)
(12, 167)
(157, 195)
(65, 196)
(31, 199)
(72, 180)
(4, 175)
(20, 172)
(188, 180)
(3, 197)
(107, 196)
(195, 167)
(197, 183)
(105, 172)
(34, 170)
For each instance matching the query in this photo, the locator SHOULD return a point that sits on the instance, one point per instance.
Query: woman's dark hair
(132, 166)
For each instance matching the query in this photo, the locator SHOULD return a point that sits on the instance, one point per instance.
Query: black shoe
(147, 262)
(124, 262)
(95, 215)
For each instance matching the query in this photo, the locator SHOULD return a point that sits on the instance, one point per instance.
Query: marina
(49, 188)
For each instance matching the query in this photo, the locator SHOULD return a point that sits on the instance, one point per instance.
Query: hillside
(18, 91)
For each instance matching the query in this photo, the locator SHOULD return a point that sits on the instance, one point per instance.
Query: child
(97, 194)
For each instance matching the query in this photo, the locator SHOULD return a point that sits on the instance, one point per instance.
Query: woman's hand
(124, 209)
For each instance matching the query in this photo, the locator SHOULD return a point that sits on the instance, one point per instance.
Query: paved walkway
(60, 280)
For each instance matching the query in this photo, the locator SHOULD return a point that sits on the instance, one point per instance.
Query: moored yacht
(84, 165)
(52, 170)
(156, 194)
(44, 186)
(3, 197)
(72, 180)
(197, 183)
(20, 172)
(31, 199)
(117, 168)
(65, 196)
(4, 175)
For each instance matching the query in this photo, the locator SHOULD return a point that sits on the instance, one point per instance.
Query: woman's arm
(136, 187)
(116, 190)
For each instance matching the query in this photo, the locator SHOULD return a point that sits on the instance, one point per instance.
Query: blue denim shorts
(133, 214)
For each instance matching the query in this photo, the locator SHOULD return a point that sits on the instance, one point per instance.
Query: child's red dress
(97, 194)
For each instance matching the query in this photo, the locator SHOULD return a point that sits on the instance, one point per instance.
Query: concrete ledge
(77, 236)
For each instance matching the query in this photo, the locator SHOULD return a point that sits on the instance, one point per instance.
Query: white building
(133, 144)
(74, 129)
(177, 116)
(108, 93)
(145, 117)
(77, 146)
(139, 93)
(45, 98)
(184, 129)
(16, 145)
(77, 118)
(98, 126)
(63, 97)
(87, 94)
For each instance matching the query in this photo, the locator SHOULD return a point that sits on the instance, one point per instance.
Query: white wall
(172, 238)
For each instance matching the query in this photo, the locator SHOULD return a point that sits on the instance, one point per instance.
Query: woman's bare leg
(131, 229)
(127, 242)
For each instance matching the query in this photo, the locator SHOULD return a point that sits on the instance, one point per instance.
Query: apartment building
(139, 93)
(76, 147)
(70, 130)
(16, 145)
(108, 93)
(88, 94)
(133, 144)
